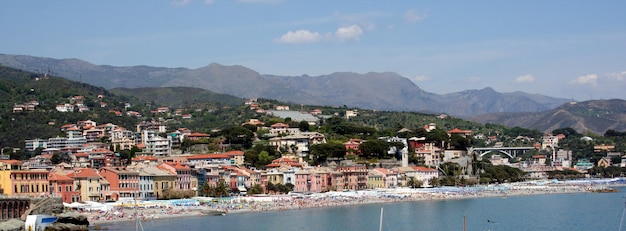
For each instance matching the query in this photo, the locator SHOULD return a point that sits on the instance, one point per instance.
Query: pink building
(355, 177)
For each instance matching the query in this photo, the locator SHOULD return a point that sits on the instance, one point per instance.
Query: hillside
(596, 116)
(378, 91)
(37, 96)
(180, 97)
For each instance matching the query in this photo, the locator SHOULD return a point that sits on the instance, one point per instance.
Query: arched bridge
(509, 151)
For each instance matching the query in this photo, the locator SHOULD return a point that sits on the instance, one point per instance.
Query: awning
(242, 189)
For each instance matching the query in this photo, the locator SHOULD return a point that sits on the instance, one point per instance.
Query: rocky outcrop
(12, 225)
(47, 206)
(70, 221)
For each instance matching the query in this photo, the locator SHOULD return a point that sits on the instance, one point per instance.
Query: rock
(72, 218)
(65, 227)
(12, 225)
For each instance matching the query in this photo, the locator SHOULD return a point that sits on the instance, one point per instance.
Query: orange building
(124, 183)
(20, 182)
(63, 187)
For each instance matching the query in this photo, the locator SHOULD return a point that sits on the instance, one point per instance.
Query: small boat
(38, 222)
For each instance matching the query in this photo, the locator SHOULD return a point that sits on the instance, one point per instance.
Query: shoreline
(252, 204)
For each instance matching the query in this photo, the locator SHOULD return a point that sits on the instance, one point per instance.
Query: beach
(260, 203)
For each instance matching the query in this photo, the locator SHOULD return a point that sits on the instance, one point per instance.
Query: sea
(577, 211)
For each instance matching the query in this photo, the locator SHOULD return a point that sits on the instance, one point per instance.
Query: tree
(435, 182)
(221, 189)
(414, 183)
(374, 148)
(321, 152)
(458, 142)
(304, 126)
(56, 158)
(264, 158)
(438, 136)
(238, 135)
(255, 189)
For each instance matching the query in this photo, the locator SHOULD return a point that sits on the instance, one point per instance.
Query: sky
(574, 49)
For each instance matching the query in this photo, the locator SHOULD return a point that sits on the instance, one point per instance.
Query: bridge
(12, 207)
(511, 152)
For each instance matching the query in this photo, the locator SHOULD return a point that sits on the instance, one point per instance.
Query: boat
(38, 222)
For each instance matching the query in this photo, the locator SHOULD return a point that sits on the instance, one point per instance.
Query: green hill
(181, 97)
(43, 93)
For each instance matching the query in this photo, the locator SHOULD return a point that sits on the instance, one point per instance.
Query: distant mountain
(379, 91)
(596, 116)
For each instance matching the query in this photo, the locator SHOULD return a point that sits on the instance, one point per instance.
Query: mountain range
(373, 90)
(596, 116)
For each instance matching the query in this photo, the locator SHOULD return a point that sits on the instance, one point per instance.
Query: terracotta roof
(198, 134)
(84, 173)
(383, 170)
(424, 169)
(12, 162)
(284, 161)
(143, 158)
(279, 125)
(178, 166)
(234, 153)
(456, 130)
(82, 154)
(208, 156)
(59, 177)
(68, 126)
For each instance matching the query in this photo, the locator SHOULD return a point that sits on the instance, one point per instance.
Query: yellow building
(17, 182)
(91, 185)
(375, 180)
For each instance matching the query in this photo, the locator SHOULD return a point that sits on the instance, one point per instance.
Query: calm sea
(585, 211)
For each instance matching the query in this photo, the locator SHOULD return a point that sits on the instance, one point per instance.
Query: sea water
(580, 211)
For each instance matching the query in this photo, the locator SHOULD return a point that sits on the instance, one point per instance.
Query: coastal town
(85, 168)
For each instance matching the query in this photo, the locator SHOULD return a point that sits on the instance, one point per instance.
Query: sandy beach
(261, 203)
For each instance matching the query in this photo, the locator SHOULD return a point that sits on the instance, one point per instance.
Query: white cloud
(586, 79)
(180, 2)
(353, 32)
(473, 79)
(420, 78)
(617, 76)
(525, 79)
(300, 36)
(411, 16)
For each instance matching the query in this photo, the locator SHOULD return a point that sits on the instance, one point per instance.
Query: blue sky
(570, 49)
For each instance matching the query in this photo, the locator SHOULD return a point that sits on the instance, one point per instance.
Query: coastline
(99, 219)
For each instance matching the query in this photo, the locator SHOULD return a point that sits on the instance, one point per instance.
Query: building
(355, 177)
(183, 176)
(91, 185)
(155, 144)
(63, 186)
(19, 182)
(375, 180)
(124, 182)
(352, 146)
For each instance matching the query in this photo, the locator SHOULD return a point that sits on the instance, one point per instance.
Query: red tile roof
(84, 173)
(12, 162)
(208, 156)
(198, 134)
(234, 153)
(424, 169)
(59, 177)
